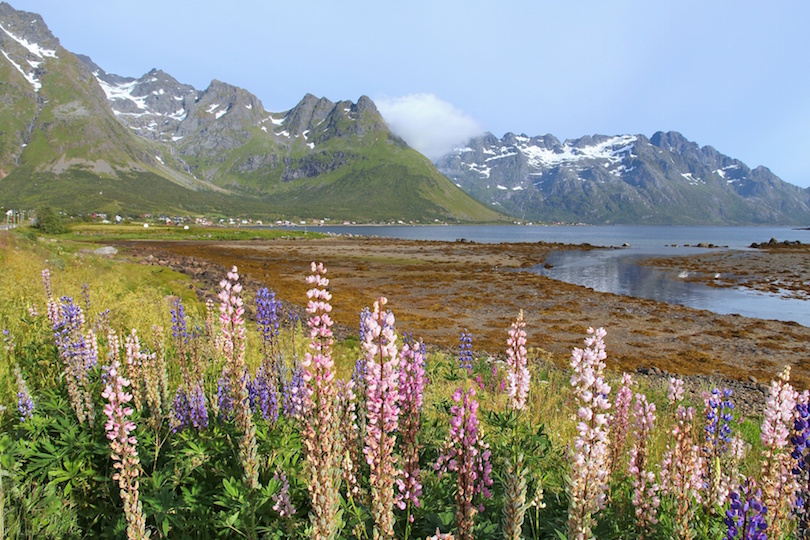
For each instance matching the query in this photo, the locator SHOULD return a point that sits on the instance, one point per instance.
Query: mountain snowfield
(621, 179)
(65, 117)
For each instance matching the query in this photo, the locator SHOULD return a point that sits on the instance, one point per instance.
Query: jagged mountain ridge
(621, 179)
(83, 139)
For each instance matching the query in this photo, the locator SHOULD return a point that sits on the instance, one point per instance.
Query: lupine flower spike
(682, 465)
(319, 438)
(645, 489)
(382, 403)
(776, 461)
(746, 517)
(411, 388)
(123, 446)
(718, 436)
(801, 466)
(233, 347)
(466, 454)
(78, 356)
(589, 466)
(518, 379)
(465, 354)
(620, 423)
(25, 403)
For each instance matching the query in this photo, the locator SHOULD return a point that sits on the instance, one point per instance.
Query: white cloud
(428, 124)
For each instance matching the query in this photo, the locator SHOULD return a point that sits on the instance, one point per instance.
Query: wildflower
(123, 449)
(801, 467)
(466, 454)
(179, 329)
(189, 409)
(52, 308)
(382, 403)
(645, 498)
(281, 497)
(293, 395)
(682, 467)
(267, 308)
(79, 354)
(465, 355)
(620, 421)
(717, 411)
(589, 467)
(411, 388)
(25, 403)
(262, 395)
(232, 327)
(319, 430)
(518, 376)
(745, 517)
(675, 391)
(776, 461)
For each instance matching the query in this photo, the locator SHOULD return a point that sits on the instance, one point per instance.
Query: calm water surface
(616, 270)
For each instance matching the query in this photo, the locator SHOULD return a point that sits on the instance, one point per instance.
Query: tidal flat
(438, 289)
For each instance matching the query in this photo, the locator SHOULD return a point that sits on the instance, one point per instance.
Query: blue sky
(733, 75)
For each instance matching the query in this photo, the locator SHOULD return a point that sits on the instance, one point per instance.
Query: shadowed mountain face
(621, 179)
(82, 139)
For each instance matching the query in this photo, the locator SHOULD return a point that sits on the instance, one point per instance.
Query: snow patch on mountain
(32, 48)
(28, 77)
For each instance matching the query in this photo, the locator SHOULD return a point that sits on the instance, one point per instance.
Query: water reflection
(617, 272)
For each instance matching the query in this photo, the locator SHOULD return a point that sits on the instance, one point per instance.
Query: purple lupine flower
(589, 466)
(86, 296)
(365, 313)
(189, 408)
(466, 454)
(225, 404)
(179, 329)
(267, 308)
(123, 449)
(465, 354)
(718, 416)
(262, 392)
(25, 403)
(292, 396)
(801, 469)
(746, 516)
(411, 387)
(78, 356)
(682, 471)
(281, 497)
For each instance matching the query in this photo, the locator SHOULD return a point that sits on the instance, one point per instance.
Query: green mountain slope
(73, 136)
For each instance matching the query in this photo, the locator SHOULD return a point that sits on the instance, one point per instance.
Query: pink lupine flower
(321, 443)
(411, 388)
(466, 454)
(123, 446)
(52, 308)
(518, 376)
(645, 497)
(778, 484)
(589, 459)
(682, 472)
(232, 326)
(382, 404)
(675, 391)
(620, 421)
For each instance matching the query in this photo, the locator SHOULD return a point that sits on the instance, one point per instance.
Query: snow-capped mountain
(621, 179)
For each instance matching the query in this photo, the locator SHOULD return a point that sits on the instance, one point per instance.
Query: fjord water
(616, 270)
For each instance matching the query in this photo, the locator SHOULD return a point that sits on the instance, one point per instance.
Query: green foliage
(49, 221)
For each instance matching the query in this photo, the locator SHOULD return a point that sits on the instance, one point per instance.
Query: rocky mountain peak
(28, 30)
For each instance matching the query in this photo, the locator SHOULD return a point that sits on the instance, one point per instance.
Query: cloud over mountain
(427, 123)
